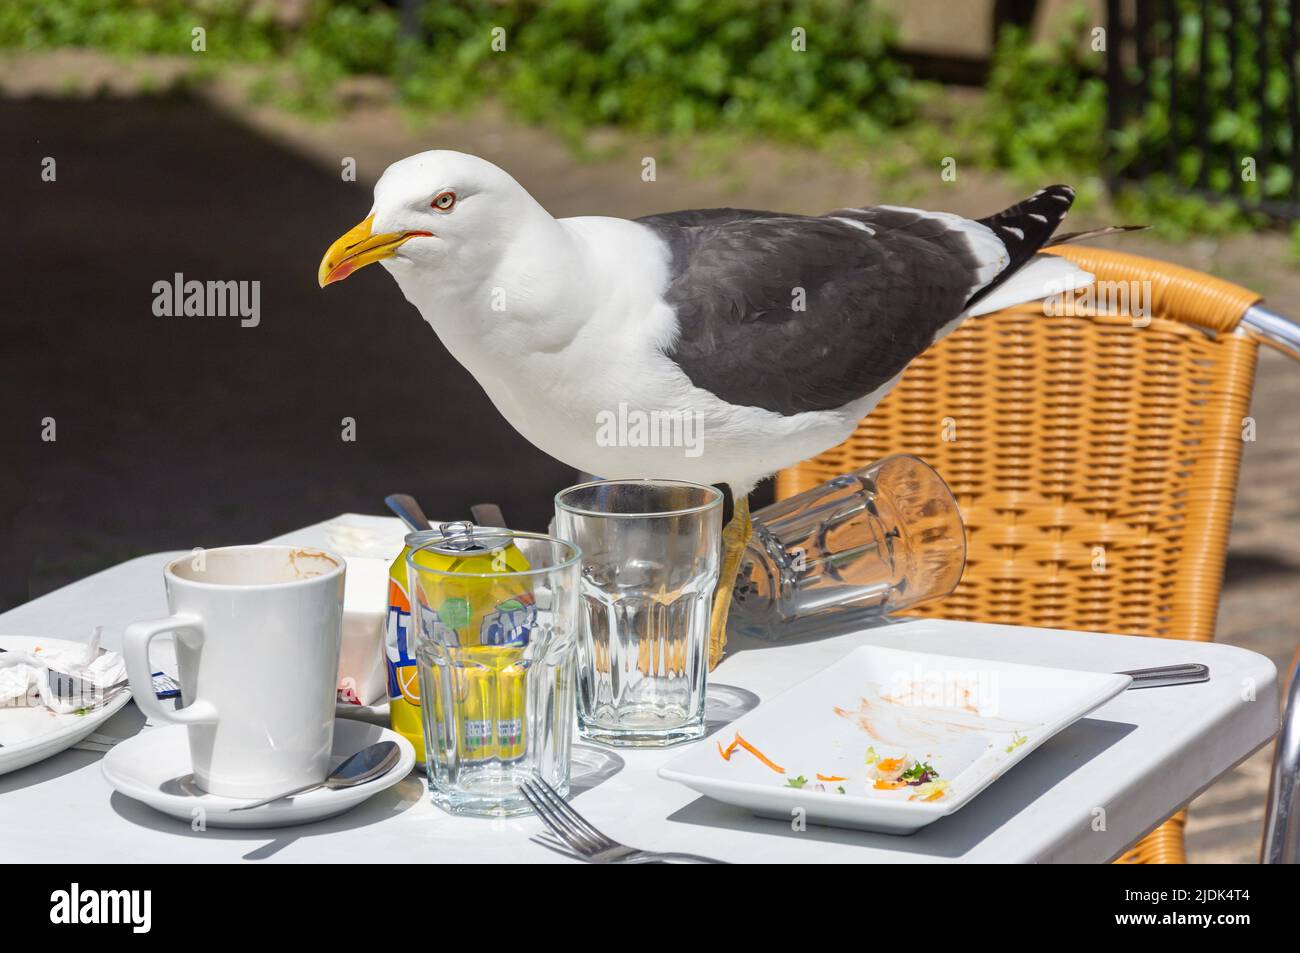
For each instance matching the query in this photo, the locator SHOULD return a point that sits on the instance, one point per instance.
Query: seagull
(714, 346)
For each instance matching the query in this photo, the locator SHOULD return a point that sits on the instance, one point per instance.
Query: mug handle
(135, 650)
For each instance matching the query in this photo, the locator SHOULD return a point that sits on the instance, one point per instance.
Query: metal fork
(576, 838)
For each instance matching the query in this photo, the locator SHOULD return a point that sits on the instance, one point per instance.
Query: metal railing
(1206, 95)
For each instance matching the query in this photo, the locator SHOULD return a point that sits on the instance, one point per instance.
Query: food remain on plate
(910, 748)
(889, 740)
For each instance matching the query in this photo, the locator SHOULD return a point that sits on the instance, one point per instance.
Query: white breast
(603, 397)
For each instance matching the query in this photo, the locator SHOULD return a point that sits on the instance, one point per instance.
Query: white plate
(29, 735)
(154, 767)
(971, 719)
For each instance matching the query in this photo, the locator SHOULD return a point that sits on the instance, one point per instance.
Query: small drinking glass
(649, 568)
(495, 615)
(879, 539)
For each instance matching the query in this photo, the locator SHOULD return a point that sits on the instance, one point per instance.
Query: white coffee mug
(257, 632)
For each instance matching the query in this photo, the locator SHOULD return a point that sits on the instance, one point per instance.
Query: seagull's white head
(436, 213)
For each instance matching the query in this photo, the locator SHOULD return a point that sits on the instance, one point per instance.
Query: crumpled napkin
(25, 676)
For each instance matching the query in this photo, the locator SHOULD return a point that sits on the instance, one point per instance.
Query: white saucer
(376, 714)
(154, 767)
(28, 735)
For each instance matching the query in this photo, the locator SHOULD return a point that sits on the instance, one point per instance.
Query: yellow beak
(358, 248)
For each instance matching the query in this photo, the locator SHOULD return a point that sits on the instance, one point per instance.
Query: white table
(1136, 759)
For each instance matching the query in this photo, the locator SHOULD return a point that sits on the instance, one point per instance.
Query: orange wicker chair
(1095, 461)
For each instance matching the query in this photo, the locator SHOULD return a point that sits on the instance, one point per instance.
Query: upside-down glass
(880, 539)
(649, 568)
(495, 616)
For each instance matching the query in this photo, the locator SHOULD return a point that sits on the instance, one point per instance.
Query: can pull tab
(462, 536)
(457, 528)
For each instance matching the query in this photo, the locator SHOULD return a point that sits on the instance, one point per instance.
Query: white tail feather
(1042, 277)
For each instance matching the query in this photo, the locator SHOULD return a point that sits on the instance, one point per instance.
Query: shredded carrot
(728, 752)
(932, 796)
(758, 754)
(883, 785)
(830, 777)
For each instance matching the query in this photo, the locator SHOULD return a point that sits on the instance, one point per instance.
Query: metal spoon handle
(487, 514)
(1186, 673)
(302, 790)
(404, 505)
(363, 766)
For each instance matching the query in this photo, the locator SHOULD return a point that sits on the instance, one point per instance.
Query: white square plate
(970, 719)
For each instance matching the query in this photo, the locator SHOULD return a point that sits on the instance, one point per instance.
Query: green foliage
(685, 65)
(241, 29)
(356, 38)
(1045, 112)
(1176, 215)
(676, 66)
(708, 70)
(1045, 116)
(1217, 106)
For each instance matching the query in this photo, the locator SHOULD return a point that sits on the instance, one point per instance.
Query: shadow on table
(208, 383)
(833, 625)
(124, 724)
(395, 800)
(591, 767)
(726, 703)
(956, 835)
(65, 762)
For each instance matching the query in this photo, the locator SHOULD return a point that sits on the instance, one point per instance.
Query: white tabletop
(1083, 797)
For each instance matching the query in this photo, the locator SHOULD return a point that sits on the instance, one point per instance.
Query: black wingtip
(1024, 228)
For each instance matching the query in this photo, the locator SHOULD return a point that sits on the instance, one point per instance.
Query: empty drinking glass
(649, 568)
(882, 538)
(495, 616)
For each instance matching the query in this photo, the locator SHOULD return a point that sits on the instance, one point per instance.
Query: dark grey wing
(874, 285)
(695, 217)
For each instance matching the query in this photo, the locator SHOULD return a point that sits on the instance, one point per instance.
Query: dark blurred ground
(177, 432)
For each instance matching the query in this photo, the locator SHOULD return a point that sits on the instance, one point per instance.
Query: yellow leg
(735, 537)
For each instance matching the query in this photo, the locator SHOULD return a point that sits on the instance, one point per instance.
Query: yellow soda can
(512, 698)
(489, 621)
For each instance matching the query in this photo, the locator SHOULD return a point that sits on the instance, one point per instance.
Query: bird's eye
(443, 201)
